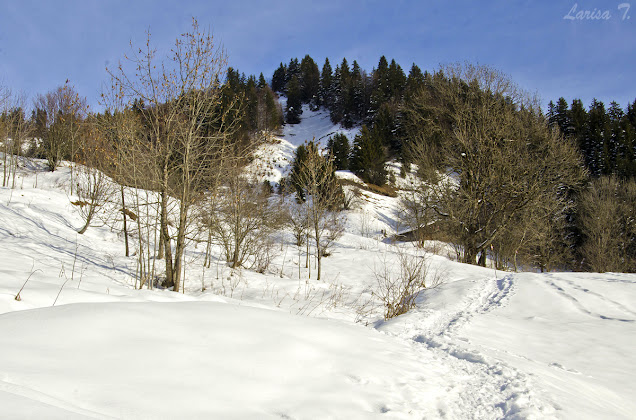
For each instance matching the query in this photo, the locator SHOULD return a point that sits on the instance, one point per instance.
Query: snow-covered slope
(273, 160)
(482, 345)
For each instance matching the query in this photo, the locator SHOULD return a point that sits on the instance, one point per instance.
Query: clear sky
(43, 43)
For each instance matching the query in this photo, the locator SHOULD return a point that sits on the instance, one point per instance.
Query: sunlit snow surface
(483, 345)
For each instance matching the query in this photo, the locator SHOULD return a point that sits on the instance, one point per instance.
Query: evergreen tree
(294, 104)
(368, 158)
(279, 79)
(614, 137)
(626, 153)
(325, 168)
(296, 172)
(251, 104)
(337, 107)
(384, 128)
(338, 147)
(562, 117)
(310, 81)
(381, 85)
(397, 80)
(293, 69)
(414, 82)
(326, 88)
(261, 81)
(596, 147)
(579, 127)
(357, 93)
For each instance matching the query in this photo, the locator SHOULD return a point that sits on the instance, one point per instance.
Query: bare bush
(243, 221)
(398, 287)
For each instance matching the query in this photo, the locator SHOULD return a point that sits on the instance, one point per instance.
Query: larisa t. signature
(597, 14)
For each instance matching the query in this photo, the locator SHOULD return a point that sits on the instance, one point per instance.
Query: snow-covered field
(484, 344)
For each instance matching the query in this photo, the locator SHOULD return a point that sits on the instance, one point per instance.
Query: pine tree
(326, 88)
(562, 117)
(397, 80)
(384, 127)
(626, 159)
(579, 126)
(358, 93)
(261, 81)
(368, 158)
(345, 94)
(381, 85)
(251, 104)
(596, 150)
(279, 79)
(414, 82)
(296, 172)
(338, 147)
(615, 136)
(293, 69)
(337, 107)
(310, 81)
(294, 104)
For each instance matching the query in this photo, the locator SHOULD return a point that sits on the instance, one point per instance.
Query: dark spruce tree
(414, 82)
(279, 79)
(261, 81)
(326, 88)
(294, 107)
(338, 148)
(293, 69)
(580, 129)
(598, 128)
(626, 159)
(295, 178)
(368, 158)
(336, 110)
(381, 85)
(397, 80)
(310, 82)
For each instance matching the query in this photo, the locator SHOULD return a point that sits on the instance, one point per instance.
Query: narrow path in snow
(486, 387)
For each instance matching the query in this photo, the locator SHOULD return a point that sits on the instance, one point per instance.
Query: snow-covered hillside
(484, 344)
(272, 160)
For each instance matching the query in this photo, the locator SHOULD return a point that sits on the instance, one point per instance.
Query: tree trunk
(482, 258)
(166, 236)
(89, 218)
(470, 255)
(123, 207)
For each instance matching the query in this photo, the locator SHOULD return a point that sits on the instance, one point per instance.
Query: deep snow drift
(482, 345)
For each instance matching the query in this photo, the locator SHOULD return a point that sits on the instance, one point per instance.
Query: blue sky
(43, 43)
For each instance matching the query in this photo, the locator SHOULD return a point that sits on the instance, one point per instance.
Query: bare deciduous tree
(62, 112)
(315, 176)
(14, 131)
(94, 189)
(179, 98)
(244, 220)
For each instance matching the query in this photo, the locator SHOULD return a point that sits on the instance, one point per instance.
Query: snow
(200, 360)
(272, 160)
(316, 126)
(484, 344)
